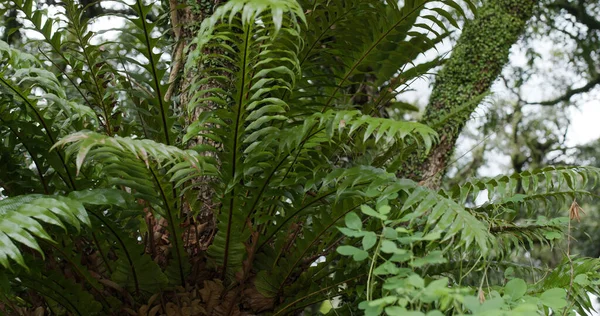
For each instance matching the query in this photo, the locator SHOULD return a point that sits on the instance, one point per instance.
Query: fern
(284, 114)
(65, 295)
(146, 179)
(21, 218)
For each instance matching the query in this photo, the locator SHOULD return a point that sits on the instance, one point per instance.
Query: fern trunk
(186, 22)
(477, 60)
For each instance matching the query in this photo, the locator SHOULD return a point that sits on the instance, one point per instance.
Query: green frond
(561, 184)
(445, 216)
(583, 272)
(34, 110)
(82, 144)
(151, 170)
(525, 234)
(259, 46)
(62, 293)
(21, 221)
(273, 10)
(369, 53)
(147, 43)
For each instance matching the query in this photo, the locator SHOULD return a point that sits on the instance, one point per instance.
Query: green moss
(478, 58)
(202, 7)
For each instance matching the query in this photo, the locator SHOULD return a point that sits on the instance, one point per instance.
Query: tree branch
(578, 12)
(570, 93)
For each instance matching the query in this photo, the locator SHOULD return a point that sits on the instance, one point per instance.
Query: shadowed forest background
(299, 157)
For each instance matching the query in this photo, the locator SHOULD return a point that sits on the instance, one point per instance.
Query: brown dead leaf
(211, 293)
(258, 302)
(575, 210)
(154, 311)
(481, 296)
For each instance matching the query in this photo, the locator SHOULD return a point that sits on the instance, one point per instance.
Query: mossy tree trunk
(186, 21)
(477, 60)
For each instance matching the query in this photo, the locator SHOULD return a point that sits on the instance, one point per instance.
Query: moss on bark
(478, 58)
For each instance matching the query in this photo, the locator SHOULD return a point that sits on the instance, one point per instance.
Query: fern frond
(376, 48)
(146, 42)
(32, 100)
(147, 151)
(447, 217)
(259, 45)
(558, 183)
(149, 169)
(64, 294)
(512, 236)
(21, 218)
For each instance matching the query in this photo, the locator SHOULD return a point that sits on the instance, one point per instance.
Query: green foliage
(20, 219)
(399, 251)
(280, 137)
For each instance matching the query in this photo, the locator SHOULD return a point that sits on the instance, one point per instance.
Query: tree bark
(477, 60)
(186, 22)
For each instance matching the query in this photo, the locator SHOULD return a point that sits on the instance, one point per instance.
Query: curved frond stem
(45, 126)
(52, 294)
(289, 218)
(34, 158)
(102, 254)
(82, 274)
(313, 242)
(281, 311)
(155, 78)
(124, 247)
(169, 212)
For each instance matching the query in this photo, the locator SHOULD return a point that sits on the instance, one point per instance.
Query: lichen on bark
(480, 53)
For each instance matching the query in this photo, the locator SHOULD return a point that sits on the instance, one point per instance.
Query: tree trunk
(477, 60)
(186, 21)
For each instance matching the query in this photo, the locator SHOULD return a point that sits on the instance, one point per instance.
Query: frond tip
(251, 9)
(145, 150)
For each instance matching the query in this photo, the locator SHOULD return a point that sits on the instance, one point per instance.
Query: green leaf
(353, 221)
(434, 257)
(357, 254)
(515, 288)
(554, 298)
(367, 210)
(351, 233)
(369, 240)
(582, 279)
(388, 246)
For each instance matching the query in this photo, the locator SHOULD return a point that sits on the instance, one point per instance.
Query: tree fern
(283, 109)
